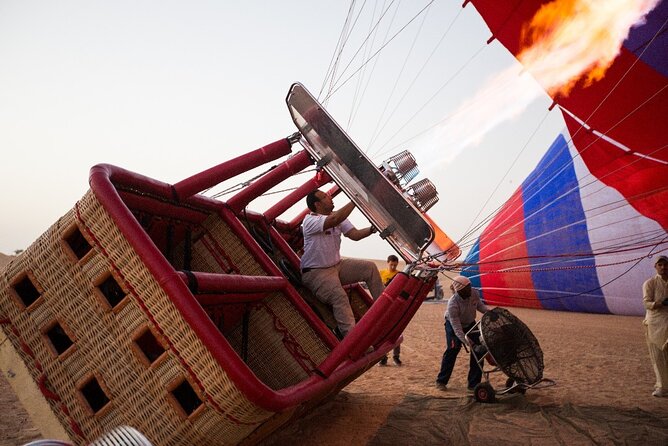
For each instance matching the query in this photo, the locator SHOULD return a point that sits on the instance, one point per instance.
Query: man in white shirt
(655, 299)
(323, 270)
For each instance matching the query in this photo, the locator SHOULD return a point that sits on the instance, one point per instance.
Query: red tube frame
(293, 197)
(228, 283)
(104, 178)
(283, 171)
(217, 174)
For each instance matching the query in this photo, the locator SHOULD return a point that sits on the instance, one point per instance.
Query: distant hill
(5, 259)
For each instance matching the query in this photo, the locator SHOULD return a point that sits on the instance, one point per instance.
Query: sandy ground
(600, 364)
(602, 396)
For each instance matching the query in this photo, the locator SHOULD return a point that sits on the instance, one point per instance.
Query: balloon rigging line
(568, 258)
(424, 105)
(358, 99)
(333, 82)
(621, 204)
(348, 32)
(374, 54)
(336, 55)
(556, 174)
(562, 258)
(488, 290)
(550, 179)
(598, 134)
(587, 293)
(591, 115)
(531, 185)
(496, 188)
(578, 257)
(376, 132)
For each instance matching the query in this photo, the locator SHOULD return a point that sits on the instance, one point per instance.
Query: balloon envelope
(581, 232)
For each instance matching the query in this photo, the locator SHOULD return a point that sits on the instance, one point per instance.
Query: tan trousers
(327, 285)
(659, 356)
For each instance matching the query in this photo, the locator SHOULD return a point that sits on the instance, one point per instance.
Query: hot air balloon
(580, 233)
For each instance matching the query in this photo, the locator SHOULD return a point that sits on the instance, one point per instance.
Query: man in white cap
(460, 318)
(655, 299)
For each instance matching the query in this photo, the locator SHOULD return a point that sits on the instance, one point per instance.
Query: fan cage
(512, 345)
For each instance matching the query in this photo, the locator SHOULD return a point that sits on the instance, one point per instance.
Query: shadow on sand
(513, 420)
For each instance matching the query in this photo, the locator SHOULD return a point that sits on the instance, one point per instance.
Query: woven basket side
(357, 303)
(220, 250)
(278, 332)
(217, 389)
(103, 341)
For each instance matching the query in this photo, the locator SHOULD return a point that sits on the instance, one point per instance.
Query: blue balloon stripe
(555, 224)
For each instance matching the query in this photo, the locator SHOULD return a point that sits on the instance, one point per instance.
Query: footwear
(397, 361)
(470, 389)
(441, 385)
(383, 361)
(659, 393)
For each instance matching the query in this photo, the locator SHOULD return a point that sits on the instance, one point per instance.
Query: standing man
(655, 298)
(386, 275)
(460, 318)
(323, 270)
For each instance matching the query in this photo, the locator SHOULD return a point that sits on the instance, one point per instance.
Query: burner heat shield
(423, 194)
(401, 168)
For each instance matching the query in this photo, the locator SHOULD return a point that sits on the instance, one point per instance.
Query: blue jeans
(453, 345)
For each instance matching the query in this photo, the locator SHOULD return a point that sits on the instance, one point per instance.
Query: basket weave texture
(103, 337)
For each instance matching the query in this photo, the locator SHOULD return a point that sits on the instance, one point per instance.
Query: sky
(168, 88)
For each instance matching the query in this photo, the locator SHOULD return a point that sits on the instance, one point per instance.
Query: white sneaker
(660, 393)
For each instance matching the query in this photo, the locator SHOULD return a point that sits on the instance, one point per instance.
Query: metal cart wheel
(484, 393)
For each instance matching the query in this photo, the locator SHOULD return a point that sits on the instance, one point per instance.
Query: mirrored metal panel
(399, 221)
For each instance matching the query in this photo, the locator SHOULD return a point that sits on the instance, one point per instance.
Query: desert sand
(602, 394)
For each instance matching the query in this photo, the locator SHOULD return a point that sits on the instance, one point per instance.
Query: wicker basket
(107, 346)
(149, 306)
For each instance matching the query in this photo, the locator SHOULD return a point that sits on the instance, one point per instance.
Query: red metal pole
(284, 170)
(293, 197)
(217, 174)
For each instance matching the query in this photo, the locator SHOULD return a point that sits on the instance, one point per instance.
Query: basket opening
(94, 394)
(149, 346)
(26, 290)
(59, 338)
(77, 243)
(186, 397)
(111, 291)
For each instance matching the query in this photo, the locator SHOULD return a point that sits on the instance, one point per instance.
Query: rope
(451, 78)
(338, 49)
(576, 188)
(357, 97)
(377, 131)
(579, 153)
(374, 54)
